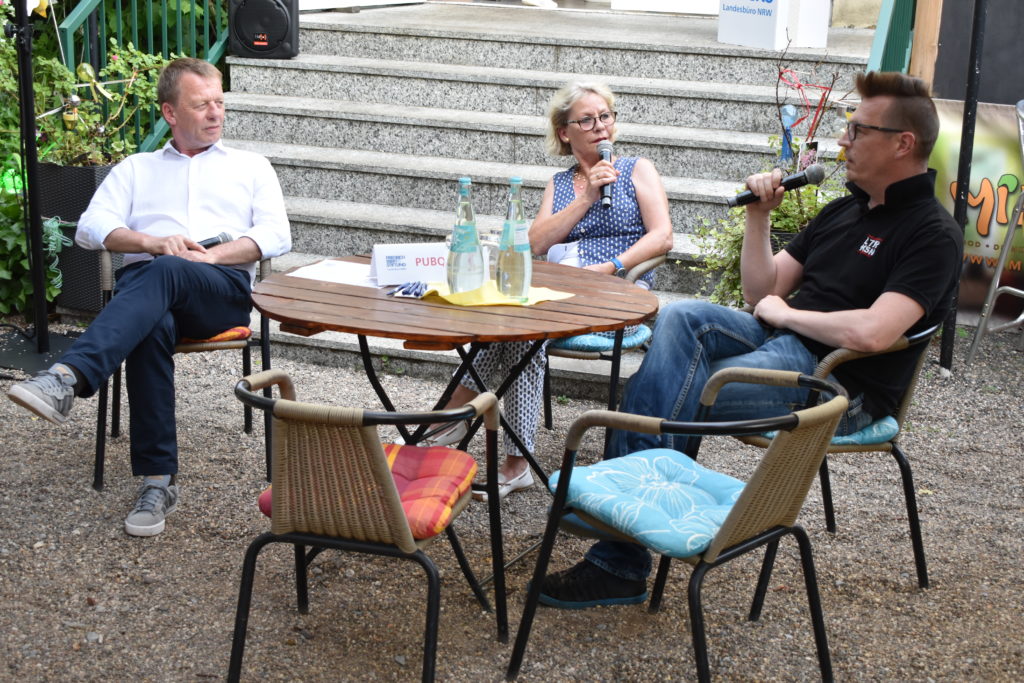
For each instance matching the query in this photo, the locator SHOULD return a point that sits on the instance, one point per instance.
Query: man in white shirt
(156, 208)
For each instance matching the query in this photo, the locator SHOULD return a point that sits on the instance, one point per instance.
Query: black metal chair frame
(906, 473)
(318, 543)
(614, 356)
(304, 558)
(769, 537)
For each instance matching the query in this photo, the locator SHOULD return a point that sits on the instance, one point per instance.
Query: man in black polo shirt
(872, 266)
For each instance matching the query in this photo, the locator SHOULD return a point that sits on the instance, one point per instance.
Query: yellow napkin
(488, 295)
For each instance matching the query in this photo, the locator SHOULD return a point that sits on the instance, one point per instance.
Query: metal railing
(894, 36)
(191, 27)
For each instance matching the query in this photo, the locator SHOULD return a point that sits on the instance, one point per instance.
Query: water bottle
(465, 257)
(515, 262)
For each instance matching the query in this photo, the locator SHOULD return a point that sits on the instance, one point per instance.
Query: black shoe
(587, 585)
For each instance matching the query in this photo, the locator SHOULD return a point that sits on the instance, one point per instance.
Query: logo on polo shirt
(870, 246)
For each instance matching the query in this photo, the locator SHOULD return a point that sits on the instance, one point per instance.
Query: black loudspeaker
(264, 29)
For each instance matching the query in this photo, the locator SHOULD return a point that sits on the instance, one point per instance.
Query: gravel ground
(83, 601)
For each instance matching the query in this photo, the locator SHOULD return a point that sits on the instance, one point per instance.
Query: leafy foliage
(721, 241)
(15, 280)
(93, 132)
(97, 130)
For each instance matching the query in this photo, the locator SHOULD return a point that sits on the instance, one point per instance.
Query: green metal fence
(894, 36)
(196, 28)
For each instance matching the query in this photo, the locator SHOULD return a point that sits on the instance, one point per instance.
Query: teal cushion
(879, 431)
(598, 342)
(660, 497)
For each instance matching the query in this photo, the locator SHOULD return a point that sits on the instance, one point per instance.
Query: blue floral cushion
(879, 431)
(602, 342)
(660, 497)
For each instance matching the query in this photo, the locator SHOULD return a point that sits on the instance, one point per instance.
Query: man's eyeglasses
(852, 129)
(588, 122)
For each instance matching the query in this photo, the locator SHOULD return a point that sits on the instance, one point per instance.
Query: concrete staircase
(370, 126)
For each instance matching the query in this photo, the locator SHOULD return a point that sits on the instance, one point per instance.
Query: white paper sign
(393, 264)
(772, 24)
(754, 23)
(340, 272)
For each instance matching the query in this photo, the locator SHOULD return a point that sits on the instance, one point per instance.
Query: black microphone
(214, 241)
(604, 148)
(812, 175)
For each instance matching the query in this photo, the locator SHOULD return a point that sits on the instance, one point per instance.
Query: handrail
(894, 36)
(189, 37)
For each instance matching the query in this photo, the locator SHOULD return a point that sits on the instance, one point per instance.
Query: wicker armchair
(336, 486)
(243, 342)
(874, 439)
(660, 490)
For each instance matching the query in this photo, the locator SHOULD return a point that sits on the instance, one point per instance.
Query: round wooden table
(599, 303)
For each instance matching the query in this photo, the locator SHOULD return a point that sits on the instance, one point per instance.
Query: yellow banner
(997, 175)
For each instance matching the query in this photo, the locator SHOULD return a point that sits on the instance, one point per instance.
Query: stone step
(426, 182)
(338, 228)
(402, 83)
(613, 43)
(570, 377)
(486, 136)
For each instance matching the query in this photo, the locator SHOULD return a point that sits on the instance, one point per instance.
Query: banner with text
(997, 174)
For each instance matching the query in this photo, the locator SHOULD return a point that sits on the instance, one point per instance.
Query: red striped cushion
(234, 334)
(429, 480)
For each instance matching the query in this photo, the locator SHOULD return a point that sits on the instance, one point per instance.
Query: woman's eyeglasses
(588, 122)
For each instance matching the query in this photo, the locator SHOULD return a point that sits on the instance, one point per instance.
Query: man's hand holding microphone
(767, 188)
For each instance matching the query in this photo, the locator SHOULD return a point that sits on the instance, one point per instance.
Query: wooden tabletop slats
(599, 303)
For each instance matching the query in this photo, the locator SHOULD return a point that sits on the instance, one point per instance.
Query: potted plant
(721, 241)
(85, 125)
(85, 122)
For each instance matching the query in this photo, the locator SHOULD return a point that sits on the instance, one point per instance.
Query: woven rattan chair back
(776, 490)
(331, 477)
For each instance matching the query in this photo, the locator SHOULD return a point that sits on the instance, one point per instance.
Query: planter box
(66, 192)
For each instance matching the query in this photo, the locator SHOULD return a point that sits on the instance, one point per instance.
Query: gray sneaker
(48, 394)
(154, 503)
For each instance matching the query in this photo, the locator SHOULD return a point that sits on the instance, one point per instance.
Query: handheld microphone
(812, 175)
(604, 148)
(214, 241)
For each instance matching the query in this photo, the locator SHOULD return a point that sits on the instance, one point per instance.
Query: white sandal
(523, 480)
(446, 437)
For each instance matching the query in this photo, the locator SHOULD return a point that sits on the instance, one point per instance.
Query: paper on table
(488, 295)
(341, 272)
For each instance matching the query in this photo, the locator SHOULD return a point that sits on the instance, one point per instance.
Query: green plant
(15, 280)
(721, 241)
(85, 116)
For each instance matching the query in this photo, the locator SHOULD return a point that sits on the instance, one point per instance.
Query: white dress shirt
(167, 193)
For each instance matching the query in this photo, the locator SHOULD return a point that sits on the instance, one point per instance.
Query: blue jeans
(692, 340)
(157, 303)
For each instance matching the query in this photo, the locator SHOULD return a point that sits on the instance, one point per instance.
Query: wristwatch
(620, 270)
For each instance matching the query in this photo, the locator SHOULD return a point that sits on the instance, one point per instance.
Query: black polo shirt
(851, 255)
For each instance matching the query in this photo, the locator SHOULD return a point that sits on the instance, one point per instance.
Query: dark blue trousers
(156, 304)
